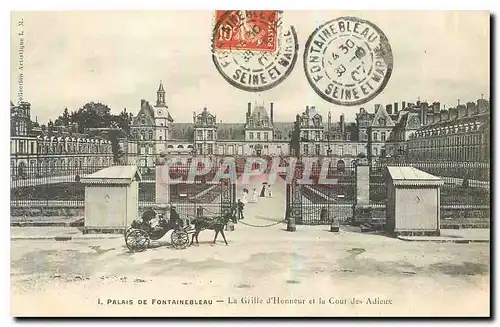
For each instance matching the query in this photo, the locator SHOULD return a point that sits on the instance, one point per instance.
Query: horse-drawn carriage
(138, 237)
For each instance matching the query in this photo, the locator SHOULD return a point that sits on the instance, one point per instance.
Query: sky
(119, 58)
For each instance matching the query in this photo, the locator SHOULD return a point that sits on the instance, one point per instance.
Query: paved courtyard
(293, 271)
(64, 278)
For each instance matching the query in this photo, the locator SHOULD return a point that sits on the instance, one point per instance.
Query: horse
(216, 224)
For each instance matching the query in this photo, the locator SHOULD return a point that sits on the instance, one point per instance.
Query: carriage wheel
(180, 239)
(137, 240)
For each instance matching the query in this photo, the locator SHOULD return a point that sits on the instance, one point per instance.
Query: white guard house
(413, 206)
(111, 199)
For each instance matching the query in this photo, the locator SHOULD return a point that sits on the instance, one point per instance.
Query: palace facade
(36, 152)
(394, 130)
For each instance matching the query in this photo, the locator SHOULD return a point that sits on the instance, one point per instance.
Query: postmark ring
(348, 61)
(252, 50)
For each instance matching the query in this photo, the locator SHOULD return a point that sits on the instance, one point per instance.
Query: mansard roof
(259, 113)
(284, 129)
(231, 131)
(381, 117)
(181, 131)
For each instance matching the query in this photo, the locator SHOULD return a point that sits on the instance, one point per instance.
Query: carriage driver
(175, 218)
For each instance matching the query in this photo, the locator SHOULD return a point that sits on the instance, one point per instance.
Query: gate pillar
(296, 202)
(227, 197)
(162, 186)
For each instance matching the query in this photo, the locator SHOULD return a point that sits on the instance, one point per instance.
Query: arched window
(150, 135)
(340, 166)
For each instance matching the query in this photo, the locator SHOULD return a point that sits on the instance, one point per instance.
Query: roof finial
(482, 95)
(160, 88)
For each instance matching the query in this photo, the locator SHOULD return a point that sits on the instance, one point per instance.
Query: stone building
(460, 134)
(150, 129)
(54, 150)
(387, 131)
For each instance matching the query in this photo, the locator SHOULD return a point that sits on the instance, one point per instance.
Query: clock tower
(162, 120)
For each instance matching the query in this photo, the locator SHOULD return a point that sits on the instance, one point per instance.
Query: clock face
(160, 112)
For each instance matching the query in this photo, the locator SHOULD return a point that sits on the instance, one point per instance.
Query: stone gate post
(362, 209)
(162, 187)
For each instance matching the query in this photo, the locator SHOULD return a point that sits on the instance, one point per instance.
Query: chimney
(436, 107)
(470, 108)
(444, 115)
(482, 106)
(460, 111)
(272, 113)
(403, 106)
(342, 123)
(395, 107)
(388, 108)
(423, 113)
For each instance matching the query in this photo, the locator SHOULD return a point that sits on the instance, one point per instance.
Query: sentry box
(413, 206)
(111, 199)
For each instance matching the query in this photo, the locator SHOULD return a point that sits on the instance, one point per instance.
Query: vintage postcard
(250, 163)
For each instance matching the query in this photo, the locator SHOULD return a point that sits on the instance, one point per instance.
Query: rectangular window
(32, 147)
(210, 149)
(266, 137)
(199, 135)
(258, 136)
(306, 149)
(375, 136)
(250, 135)
(317, 149)
(340, 150)
(383, 136)
(143, 150)
(161, 137)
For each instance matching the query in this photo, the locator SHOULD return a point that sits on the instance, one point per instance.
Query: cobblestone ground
(259, 264)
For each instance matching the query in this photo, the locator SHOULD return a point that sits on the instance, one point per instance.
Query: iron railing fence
(465, 184)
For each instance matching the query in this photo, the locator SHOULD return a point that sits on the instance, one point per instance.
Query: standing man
(199, 212)
(240, 205)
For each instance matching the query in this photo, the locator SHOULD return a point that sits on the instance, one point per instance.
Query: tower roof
(160, 88)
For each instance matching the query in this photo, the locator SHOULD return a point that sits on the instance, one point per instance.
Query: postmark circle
(252, 50)
(348, 61)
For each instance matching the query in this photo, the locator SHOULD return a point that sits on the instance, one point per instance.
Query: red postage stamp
(254, 30)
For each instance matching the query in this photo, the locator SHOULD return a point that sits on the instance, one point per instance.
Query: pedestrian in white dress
(253, 199)
(244, 198)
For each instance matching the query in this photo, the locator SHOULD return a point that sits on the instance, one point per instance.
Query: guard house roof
(113, 175)
(410, 176)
